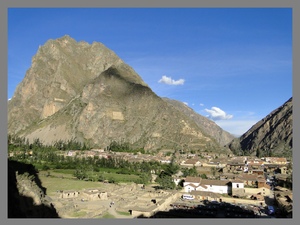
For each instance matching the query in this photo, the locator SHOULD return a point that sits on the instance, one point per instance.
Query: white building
(215, 186)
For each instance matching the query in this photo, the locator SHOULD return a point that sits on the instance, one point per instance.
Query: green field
(60, 173)
(63, 179)
(106, 174)
(52, 184)
(123, 213)
(120, 178)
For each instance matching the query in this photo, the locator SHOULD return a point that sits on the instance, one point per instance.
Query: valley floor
(131, 197)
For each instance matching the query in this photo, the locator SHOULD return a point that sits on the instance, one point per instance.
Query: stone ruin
(89, 194)
(68, 194)
(94, 194)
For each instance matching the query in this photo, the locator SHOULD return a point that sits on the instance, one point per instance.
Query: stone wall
(97, 195)
(68, 194)
(162, 205)
(252, 191)
(243, 201)
(238, 191)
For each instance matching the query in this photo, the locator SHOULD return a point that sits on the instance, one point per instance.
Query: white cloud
(185, 103)
(216, 113)
(170, 81)
(201, 104)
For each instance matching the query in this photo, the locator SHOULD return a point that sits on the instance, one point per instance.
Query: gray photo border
(136, 3)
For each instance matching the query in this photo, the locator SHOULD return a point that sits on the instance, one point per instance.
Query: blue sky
(233, 65)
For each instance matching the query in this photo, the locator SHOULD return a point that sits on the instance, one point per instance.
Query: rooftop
(193, 179)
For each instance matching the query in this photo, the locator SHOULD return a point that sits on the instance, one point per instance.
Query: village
(234, 186)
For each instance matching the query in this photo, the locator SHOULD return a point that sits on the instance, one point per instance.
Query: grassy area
(60, 173)
(79, 214)
(108, 216)
(63, 171)
(109, 170)
(107, 174)
(63, 179)
(120, 177)
(123, 213)
(54, 183)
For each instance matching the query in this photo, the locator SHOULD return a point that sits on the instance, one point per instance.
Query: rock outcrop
(26, 196)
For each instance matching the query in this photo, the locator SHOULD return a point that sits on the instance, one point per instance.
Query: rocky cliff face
(273, 133)
(207, 126)
(59, 72)
(76, 90)
(26, 196)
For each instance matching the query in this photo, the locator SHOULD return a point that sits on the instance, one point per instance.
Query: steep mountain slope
(75, 90)
(273, 133)
(59, 71)
(209, 127)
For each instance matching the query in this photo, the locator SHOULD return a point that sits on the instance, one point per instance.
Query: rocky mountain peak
(59, 71)
(82, 91)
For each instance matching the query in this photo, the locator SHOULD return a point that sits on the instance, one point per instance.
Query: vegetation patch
(123, 213)
(79, 214)
(108, 216)
(54, 184)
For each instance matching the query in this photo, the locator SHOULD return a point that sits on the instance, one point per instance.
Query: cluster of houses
(243, 178)
(234, 187)
(250, 170)
(131, 157)
(238, 163)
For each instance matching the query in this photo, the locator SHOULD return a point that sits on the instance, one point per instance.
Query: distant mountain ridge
(271, 135)
(76, 90)
(207, 125)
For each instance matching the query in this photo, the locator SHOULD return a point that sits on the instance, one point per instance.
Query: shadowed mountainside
(272, 135)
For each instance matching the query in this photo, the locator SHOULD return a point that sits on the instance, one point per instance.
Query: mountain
(76, 90)
(209, 127)
(272, 135)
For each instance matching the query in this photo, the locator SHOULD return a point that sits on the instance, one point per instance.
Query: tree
(45, 167)
(213, 170)
(145, 178)
(101, 177)
(181, 183)
(193, 171)
(80, 173)
(190, 172)
(37, 143)
(203, 176)
(258, 153)
(111, 180)
(172, 167)
(165, 181)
